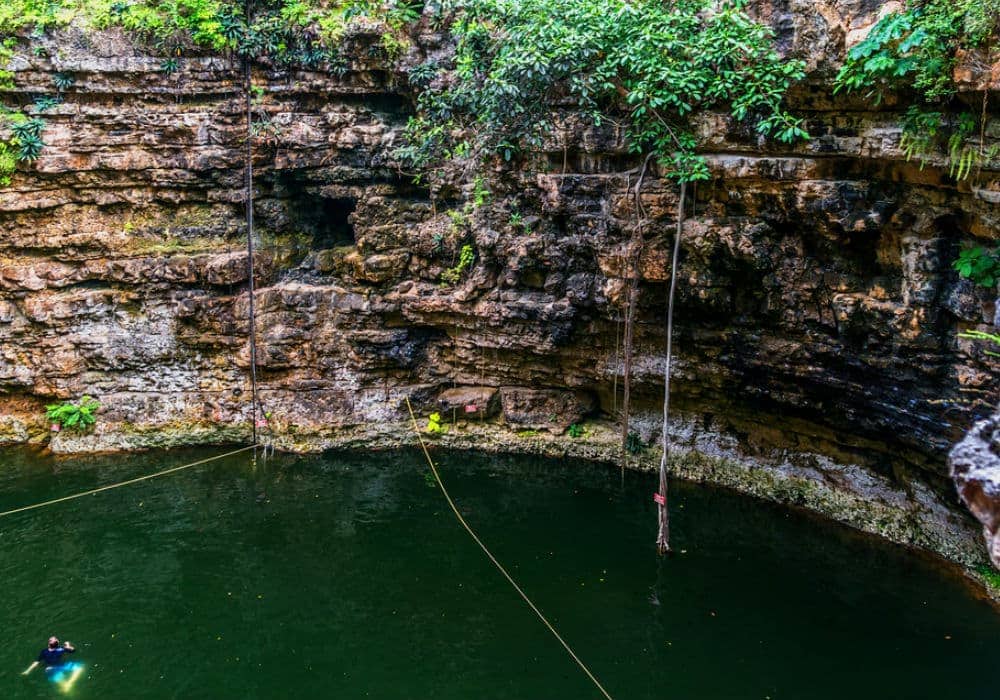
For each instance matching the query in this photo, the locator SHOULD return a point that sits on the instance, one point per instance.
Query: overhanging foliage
(647, 64)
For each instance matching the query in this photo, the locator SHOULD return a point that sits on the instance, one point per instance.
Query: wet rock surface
(818, 312)
(975, 466)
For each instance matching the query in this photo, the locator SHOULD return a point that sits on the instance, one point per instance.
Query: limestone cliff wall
(817, 319)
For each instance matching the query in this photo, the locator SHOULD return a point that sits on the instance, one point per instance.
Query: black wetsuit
(53, 658)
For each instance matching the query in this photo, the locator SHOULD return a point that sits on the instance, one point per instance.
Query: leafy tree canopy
(646, 64)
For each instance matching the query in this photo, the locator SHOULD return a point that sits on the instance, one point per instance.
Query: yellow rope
(454, 509)
(125, 483)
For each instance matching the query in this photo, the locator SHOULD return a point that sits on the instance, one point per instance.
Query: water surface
(345, 576)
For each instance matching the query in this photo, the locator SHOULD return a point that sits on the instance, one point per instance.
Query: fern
(74, 416)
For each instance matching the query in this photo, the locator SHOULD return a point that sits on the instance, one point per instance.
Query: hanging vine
(649, 65)
(632, 275)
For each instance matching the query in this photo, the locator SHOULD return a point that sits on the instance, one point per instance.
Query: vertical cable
(249, 205)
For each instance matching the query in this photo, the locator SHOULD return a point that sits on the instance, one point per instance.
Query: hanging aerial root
(633, 275)
(663, 510)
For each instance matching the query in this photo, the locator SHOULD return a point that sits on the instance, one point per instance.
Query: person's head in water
(53, 642)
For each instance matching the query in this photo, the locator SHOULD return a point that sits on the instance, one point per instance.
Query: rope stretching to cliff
(497, 564)
(128, 482)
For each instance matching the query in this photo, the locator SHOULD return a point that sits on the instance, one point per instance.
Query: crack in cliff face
(817, 309)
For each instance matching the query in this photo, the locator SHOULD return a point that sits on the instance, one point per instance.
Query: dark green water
(346, 577)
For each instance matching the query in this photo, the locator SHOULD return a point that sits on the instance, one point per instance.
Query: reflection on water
(347, 576)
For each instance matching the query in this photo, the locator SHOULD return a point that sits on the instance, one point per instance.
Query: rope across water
(437, 478)
(486, 551)
(128, 482)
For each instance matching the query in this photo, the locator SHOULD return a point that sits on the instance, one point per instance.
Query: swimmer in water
(55, 665)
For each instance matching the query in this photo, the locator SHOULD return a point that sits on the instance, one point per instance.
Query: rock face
(975, 466)
(545, 409)
(818, 312)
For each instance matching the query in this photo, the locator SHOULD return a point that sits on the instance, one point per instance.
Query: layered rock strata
(818, 312)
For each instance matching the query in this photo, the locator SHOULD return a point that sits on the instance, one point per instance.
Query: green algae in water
(345, 576)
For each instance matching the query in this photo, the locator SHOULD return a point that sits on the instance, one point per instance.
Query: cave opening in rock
(330, 221)
(323, 221)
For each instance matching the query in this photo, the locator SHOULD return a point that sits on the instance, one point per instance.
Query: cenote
(346, 576)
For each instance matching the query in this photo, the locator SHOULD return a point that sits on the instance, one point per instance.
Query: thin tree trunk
(663, 534)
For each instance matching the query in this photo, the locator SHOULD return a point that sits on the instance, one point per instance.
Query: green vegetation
(633, 443)
(45, 103)
(991, 575)
(983, 335)
(78, 416)
(302, 33)
(63, 81)
(434, 426)
(480, 192)
(577, 430)
(452, 275)
(23, 144)
(8, 162)
(644, 65)
(979, 265)
(289, 32)
(917, 49)
(459, 218)
(28, 137)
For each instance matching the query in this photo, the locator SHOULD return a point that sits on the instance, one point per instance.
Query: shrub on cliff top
(294, 32)
(286, 32)
(917, 47)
